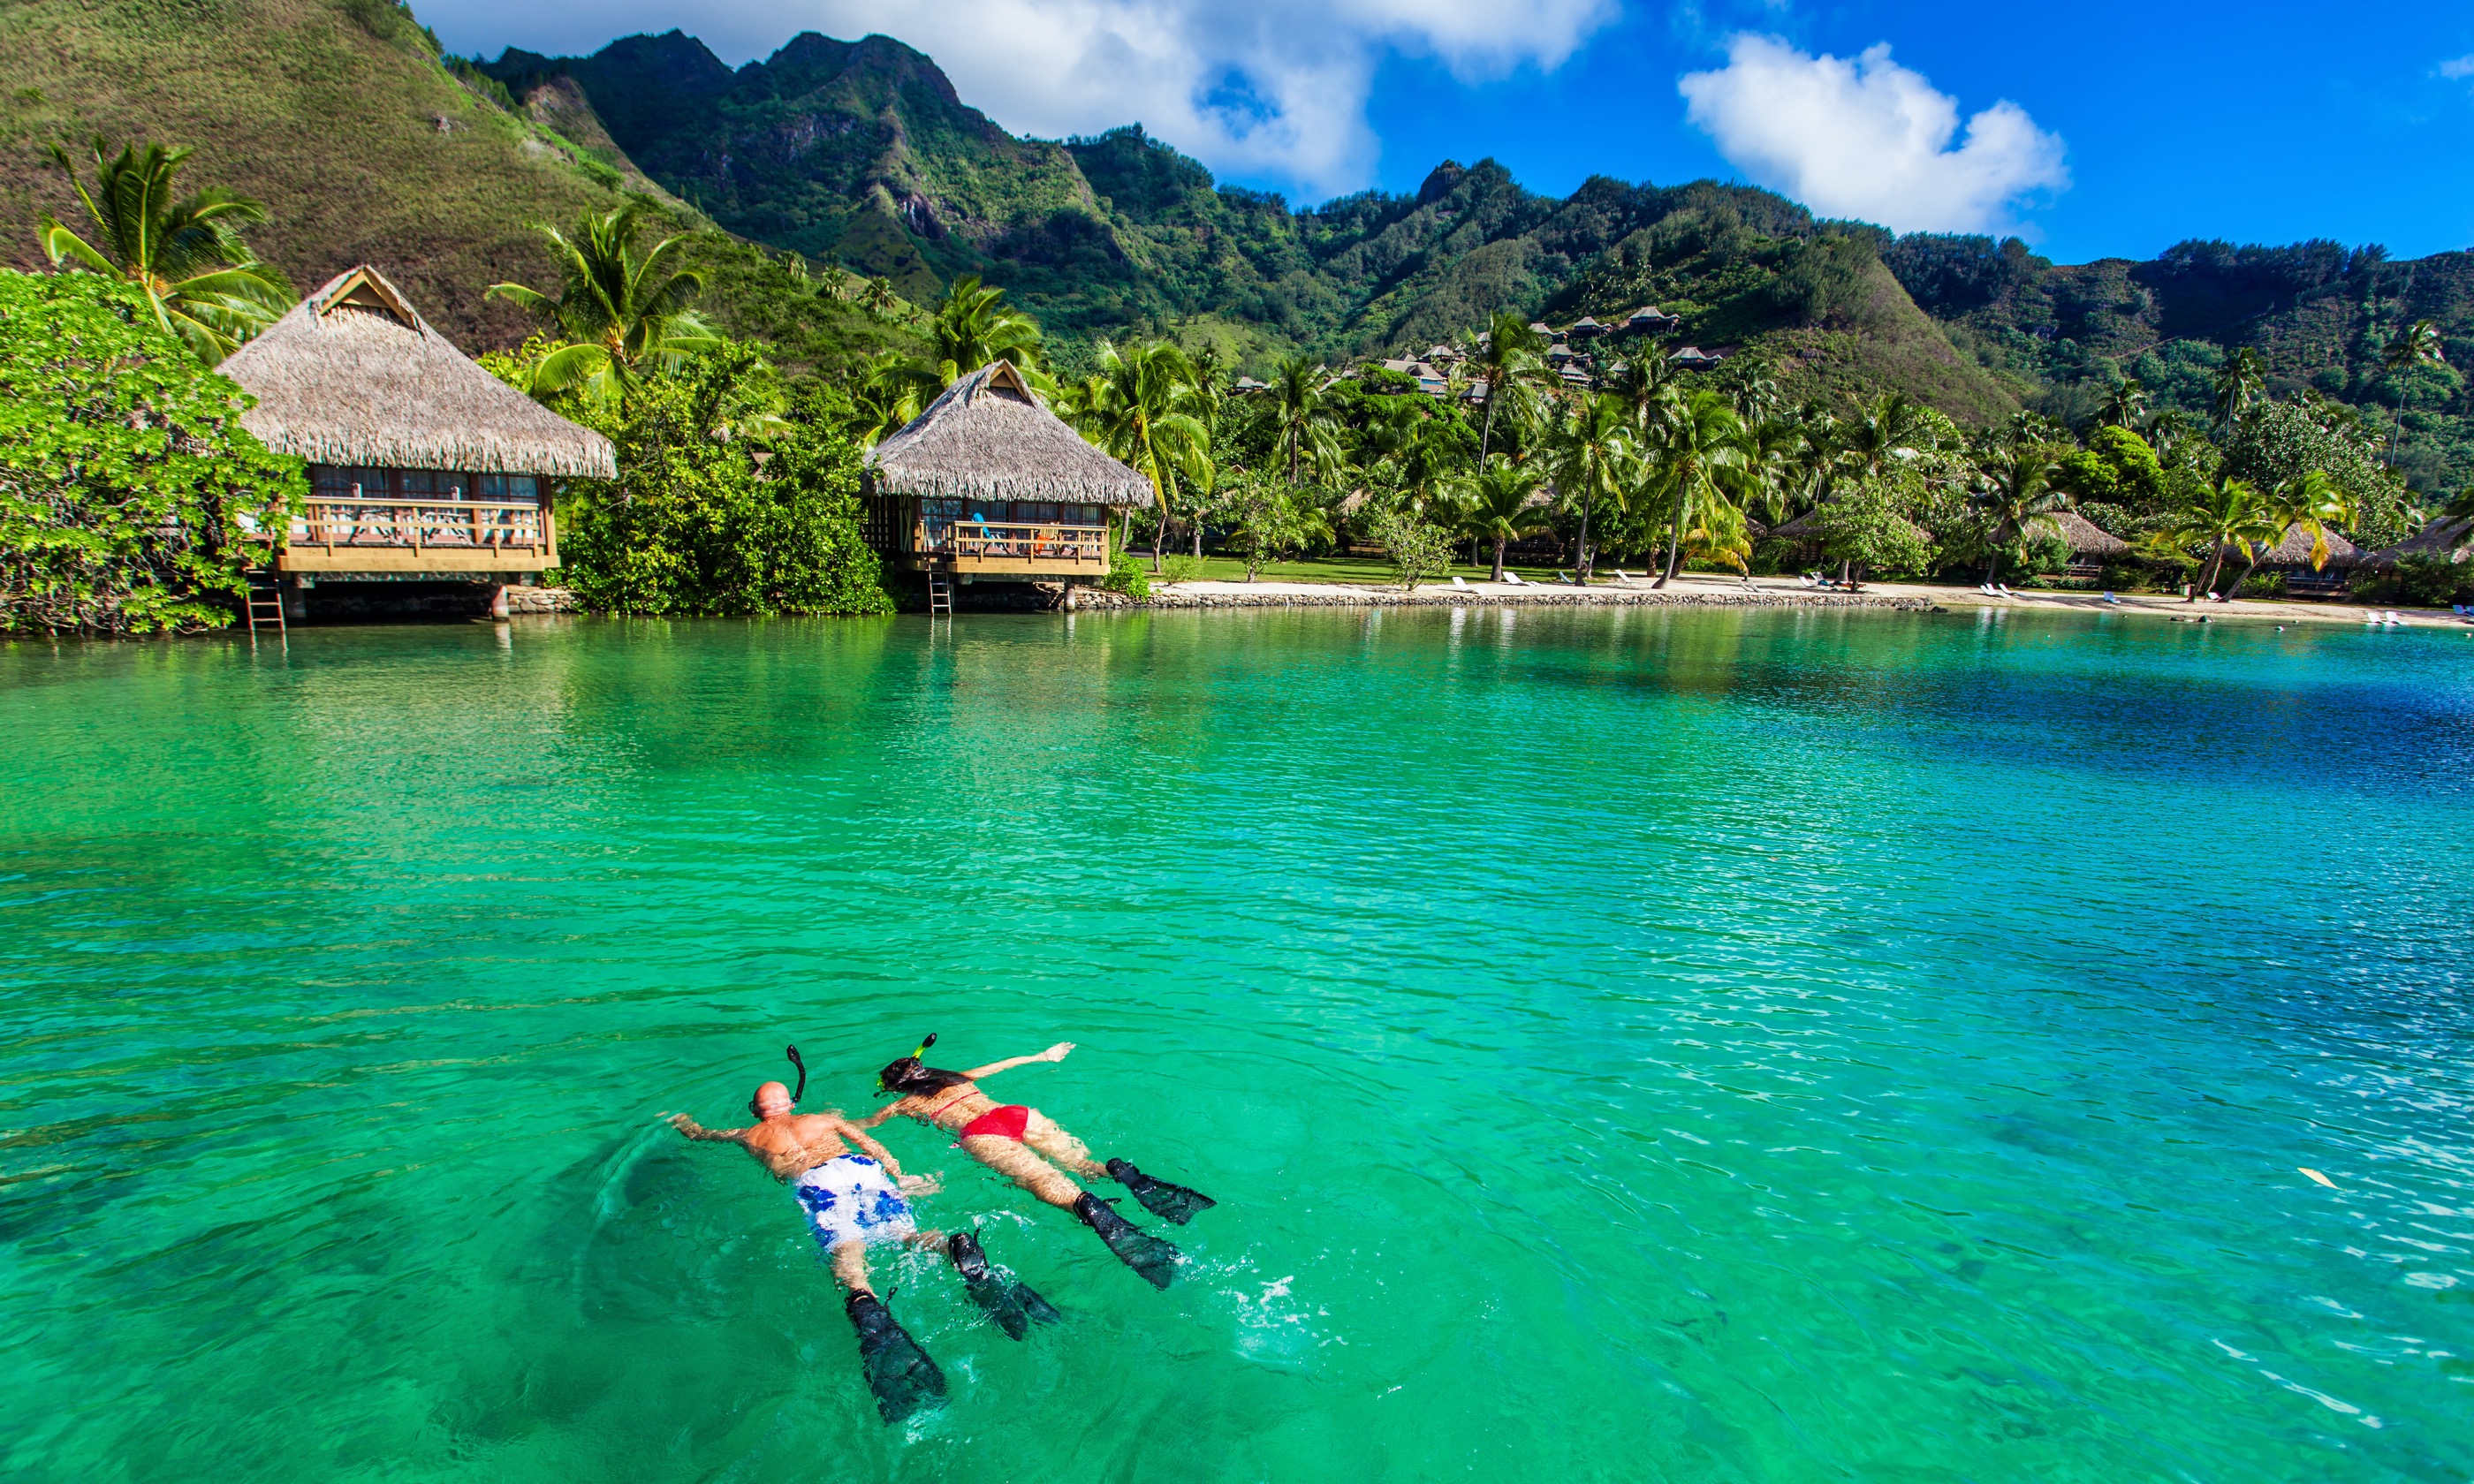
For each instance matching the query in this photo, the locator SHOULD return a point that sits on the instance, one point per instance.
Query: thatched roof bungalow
(988, 483)
(420, 462)
(2441, 541)
(2088, 541)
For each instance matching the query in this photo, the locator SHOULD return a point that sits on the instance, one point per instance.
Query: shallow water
(1636, 1046)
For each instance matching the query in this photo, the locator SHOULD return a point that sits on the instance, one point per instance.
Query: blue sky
(2102, 129)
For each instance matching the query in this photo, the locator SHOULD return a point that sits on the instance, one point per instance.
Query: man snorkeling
(852, 1206)
(1003, 1137)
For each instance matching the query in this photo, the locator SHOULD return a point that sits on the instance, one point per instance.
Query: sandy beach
(1706, 590)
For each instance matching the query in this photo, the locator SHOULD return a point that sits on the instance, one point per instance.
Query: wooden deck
(449, 538)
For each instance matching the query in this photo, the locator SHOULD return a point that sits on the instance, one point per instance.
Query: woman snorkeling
(1004, 1135)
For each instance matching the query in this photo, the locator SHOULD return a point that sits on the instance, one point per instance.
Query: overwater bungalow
(987, 485)
(430, 478)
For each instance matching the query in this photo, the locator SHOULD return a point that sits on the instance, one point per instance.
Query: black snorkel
(798, 1092)
(913, 1058)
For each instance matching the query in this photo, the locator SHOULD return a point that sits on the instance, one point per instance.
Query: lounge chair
(2110, 598)
(2003, 588)
(1457, 583)
(1513, 578)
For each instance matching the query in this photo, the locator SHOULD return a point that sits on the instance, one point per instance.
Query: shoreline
(1702, 591)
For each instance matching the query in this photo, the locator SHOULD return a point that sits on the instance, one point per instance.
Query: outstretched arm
(888, 1111)
(870, 1147)
(698, 1132)
(1055, 1053)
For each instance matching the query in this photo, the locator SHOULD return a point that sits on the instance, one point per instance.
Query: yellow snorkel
(916, 1052)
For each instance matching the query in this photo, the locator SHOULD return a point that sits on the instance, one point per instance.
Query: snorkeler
(1003, 1137)
(852, 1206)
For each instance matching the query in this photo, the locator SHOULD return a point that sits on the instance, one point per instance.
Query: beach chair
(1513, 579)
(2003, 588)
(1457, 583)
(2110, 598)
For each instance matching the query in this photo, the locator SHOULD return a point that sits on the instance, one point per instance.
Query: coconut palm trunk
(1499, 543)
(1675, 535)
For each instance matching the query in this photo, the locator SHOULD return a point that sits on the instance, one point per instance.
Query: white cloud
(2458, 68)
(1274, 88)
(1868, 138)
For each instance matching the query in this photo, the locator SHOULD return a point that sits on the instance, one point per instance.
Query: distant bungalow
(988, 483)
(423, 466)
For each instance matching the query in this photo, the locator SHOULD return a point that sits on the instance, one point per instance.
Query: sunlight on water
(1636, 1045)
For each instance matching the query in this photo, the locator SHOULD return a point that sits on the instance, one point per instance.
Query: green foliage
(1126, 575)
(722, 507)
(2275, 442)
(624, 310)
(126, 482)
(1266, 521)
(1868, 525)
(1418, 550)
(2421, 582)
(198, 276)
(1180, 568)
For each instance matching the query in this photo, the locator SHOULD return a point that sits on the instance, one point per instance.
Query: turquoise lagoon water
(1694, 1046)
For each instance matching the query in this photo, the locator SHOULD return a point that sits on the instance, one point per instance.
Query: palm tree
(1594, 455)
(2242, 381)
(186, 256)
(1885, 434)
(2310, 502)
(974, 326)
(1702, 456)
(887, 396)
(2227, 515)
(622, 313)
(2125, 405)
(1302, 410)
(1508, 359)
(877, 296)
(1144, 410)
(2017, 488)
(2417, 345)
(1500, 505)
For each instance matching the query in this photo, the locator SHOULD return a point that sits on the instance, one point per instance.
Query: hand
(685, 1125)
(919, 1185)
(1055, 1053)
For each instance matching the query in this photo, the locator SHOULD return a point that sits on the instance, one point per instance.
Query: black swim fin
(1168, 1202)
(1004, 1298)
(1155, 1260)
(898, 1371)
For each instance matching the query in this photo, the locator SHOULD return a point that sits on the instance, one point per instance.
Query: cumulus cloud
(1868, 138)
(1267, 87)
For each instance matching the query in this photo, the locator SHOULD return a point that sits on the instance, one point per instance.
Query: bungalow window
(428, 483)
(512, 487)
(330, 483)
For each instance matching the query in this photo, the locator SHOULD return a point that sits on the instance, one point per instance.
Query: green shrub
(125, 474)
(1126, 575)
(1181, 570)
(2419, 581)
(2264, 584)
(698, 523)
(1418, 550)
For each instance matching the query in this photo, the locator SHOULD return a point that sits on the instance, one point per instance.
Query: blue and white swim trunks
(848, 1199)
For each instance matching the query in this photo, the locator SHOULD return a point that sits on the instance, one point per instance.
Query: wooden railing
(969, 541)
(416, 524)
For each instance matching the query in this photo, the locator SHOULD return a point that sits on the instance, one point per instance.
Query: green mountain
(340, 116)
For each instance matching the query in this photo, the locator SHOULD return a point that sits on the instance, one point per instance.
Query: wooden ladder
(940, 594)
(265, 603)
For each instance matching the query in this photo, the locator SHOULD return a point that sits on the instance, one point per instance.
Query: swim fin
(1155, 1260)
(898, 1371)
(1004, 1298)
(1168, 1202)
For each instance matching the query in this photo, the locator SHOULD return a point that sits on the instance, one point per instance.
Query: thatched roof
(353, 375)
(990, 438)
(2444, 540)
(2295, 551)
(2085, 537)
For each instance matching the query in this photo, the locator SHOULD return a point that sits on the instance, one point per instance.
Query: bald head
(771, 1101)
